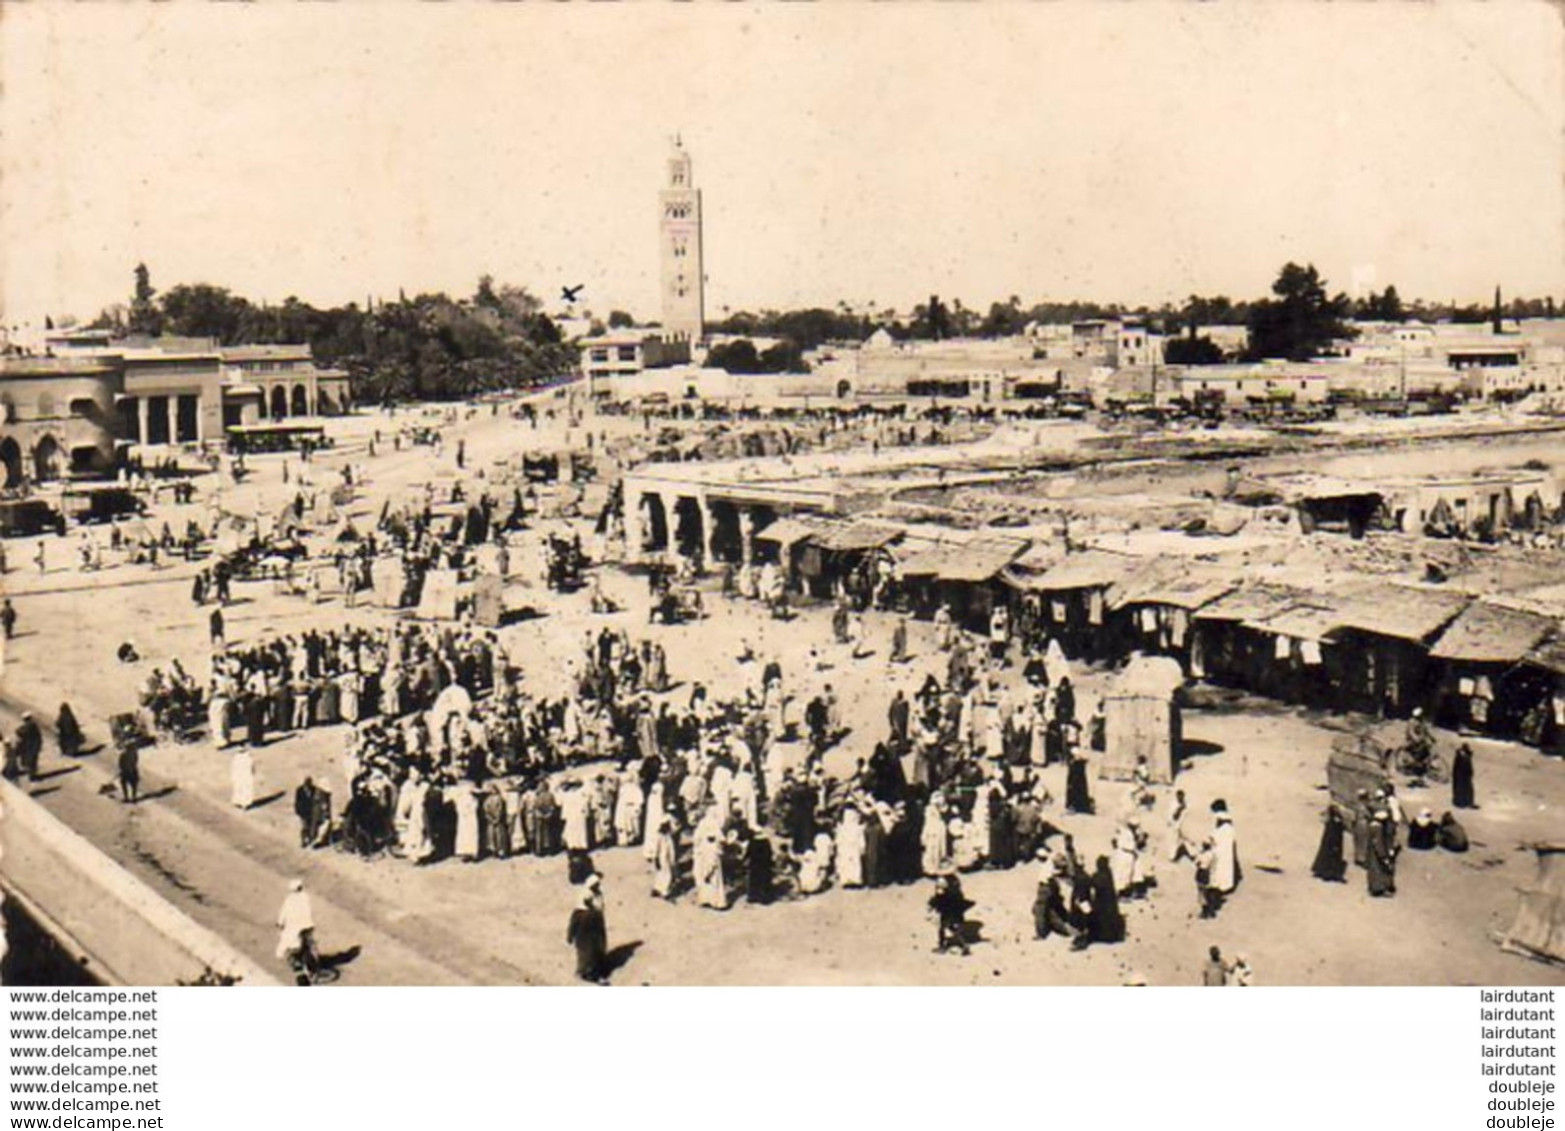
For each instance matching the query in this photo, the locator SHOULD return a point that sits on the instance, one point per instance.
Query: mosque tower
(679, 226)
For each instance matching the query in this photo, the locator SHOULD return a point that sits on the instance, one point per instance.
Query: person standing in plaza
(950, 906)
(1462, 793)
(68, 732)
(1381, 859)
(588, 932)
(241, 779)
(130, 773)
(1215, 972)
(1225, 855)
(1330, 864)
(8, 618)
(29, 745)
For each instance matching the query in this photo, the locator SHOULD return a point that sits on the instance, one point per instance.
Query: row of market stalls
(1345, 642)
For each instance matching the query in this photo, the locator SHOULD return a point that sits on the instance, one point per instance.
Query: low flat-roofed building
(623, 352)
(68, 415)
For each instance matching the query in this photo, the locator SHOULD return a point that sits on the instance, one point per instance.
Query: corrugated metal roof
(1490, 634)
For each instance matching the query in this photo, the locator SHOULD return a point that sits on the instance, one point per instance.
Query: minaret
(679, 230)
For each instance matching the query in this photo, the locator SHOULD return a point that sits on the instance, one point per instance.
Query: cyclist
(1420, 742)
(296, 941)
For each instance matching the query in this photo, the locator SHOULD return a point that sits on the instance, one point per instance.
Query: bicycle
(305, 962)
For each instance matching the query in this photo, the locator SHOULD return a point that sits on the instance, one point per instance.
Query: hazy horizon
(845, 152)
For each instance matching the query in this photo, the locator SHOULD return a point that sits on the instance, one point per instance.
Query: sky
(846, 152)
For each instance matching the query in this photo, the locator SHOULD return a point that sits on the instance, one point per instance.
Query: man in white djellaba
(296, 930)
(241, 779)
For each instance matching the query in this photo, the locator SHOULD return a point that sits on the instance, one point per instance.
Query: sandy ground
(502, 921)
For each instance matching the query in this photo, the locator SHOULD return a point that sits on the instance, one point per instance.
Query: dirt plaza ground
(503, 921)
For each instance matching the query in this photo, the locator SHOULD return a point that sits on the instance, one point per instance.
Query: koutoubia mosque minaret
(684, 300)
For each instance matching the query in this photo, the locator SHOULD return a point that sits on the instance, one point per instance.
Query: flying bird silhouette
(569, 293)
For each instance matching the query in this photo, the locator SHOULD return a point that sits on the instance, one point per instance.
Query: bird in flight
(569, 293)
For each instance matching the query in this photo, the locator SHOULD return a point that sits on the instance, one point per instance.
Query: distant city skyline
(845, 152)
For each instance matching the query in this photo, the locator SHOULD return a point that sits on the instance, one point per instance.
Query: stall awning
(787, 531)
(1093, 569)
(1402, 612)
(1492, 634)
(980, 561)
(972, 561)
(1301, 622)
(1174, 584)
(1251, 603)
(1550, 655)
(857, 537)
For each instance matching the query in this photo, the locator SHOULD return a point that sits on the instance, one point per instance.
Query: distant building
(71, 413)
(1240, 385)
(679, 226)
(622, 353)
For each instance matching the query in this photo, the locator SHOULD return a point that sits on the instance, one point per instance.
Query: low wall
(122, 931)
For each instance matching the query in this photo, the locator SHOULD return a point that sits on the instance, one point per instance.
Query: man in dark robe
(496, 825)
(897, 716)
(588, 932)
(1078, 799)
(304, 809)
(874, 851)
(69, 732)
(950, 906)
(1050, 913)
(255, 719)
(1462, 795)
(1452, 837)
(1108, 924)
(1002, 831)
(29, 745)
(1381, 859)
(760, 868)
(1330, 865)
(130, 773)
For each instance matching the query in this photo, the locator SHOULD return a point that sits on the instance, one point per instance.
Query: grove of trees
(429, 347)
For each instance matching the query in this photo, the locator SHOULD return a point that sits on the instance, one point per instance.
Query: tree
(619, 319)
(1385, 307)
(1192, 351)
(200, 310)
(1005, 320)
(931, 320)
(1301, 322)
(735, 357)
(144, 317)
